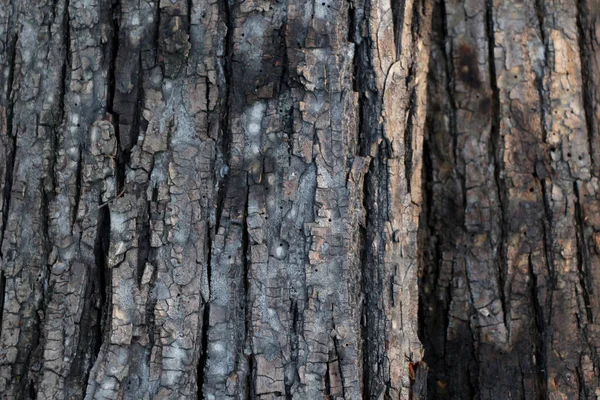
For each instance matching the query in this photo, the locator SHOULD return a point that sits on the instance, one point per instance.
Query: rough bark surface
(211, 199)
(510, 279)
(273, 199)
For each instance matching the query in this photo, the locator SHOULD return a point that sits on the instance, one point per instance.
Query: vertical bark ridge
(394, 204)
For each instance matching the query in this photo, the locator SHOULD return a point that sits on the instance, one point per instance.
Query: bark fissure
(587, 86)
(583, 267)
(10, 136)
(496, 144)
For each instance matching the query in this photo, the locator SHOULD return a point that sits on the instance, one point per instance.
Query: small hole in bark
(229, 257)
(243, 34)
(552, 149)
(531, 190)
(524, 233)
(568, 154)
(329, 219)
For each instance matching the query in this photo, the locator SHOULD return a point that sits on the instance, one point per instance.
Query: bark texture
(273, 199)
(211, 199)
(511, 274)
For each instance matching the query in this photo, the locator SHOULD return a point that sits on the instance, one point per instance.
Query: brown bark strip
(541, 154)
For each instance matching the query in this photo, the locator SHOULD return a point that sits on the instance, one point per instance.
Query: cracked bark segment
(541, 156)
(84, 170)
(589, 224)
(202, 196)
(566, 133)
(444, 298)
(36, 96)
(8, 31)
(160, 228)
(395, 97)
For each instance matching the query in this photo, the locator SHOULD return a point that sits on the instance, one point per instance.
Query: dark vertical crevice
(370, 132)
(2, 294)
(581, 383)
(398, 7)
(548, 256)
(11, 138)
(250, 378)
(112, 53)
(588, 88)
(364, 261)
(156, 39)
(203, 358)
(538, 315)
(78, 179)
(337, 357)
(294, 343)
(225, 139)
(452, 123)
(189, 10)
(429, 268)
(245, 301)
(583, 259)
(224, 153)
(496, 146)
(98, 293)
(408, 131)
(546, 192)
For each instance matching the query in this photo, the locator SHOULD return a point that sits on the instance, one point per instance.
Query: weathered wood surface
(367, 199)
(211, 199)
(511, 270)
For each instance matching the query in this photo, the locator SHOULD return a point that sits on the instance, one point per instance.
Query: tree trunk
(343, 199)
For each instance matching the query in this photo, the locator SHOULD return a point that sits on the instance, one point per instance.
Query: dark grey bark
(211, 199)
(263, 199)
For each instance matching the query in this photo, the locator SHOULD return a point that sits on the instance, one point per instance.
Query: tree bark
(510, 271)
(359, 199)
(211, 199)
